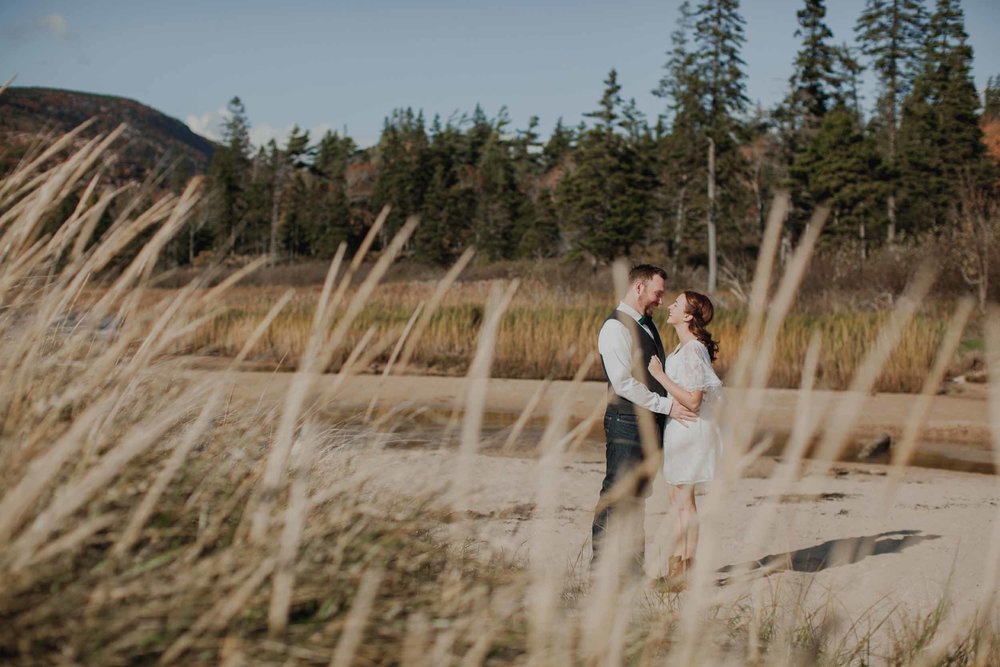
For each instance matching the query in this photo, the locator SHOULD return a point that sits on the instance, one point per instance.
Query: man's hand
(682, 414)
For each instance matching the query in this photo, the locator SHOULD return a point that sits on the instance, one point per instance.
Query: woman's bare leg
(675, 493)
(690, 510)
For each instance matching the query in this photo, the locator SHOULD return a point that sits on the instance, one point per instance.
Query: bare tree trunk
(890, 233)
(713, 260)
(984, 247)
(979, 215)
(861, 238)
(279, 189)
(758, 196)
(275, 218)
(679, 225)
(984, 282)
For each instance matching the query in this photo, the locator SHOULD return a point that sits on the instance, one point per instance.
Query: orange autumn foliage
(991, 137)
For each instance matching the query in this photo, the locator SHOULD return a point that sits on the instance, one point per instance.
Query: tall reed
(543, 336)
(147, 517)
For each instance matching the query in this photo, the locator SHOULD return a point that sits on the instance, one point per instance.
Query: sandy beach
(836, 541)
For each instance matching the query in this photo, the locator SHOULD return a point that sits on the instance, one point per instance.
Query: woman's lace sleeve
(696, 372)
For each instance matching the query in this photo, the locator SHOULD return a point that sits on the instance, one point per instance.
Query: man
(637, 406)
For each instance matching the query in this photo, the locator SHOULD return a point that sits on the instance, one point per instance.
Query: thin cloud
(54, 24)
(209, 125)
(262, 133)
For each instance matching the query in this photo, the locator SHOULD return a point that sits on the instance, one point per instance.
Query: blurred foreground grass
(148, 520)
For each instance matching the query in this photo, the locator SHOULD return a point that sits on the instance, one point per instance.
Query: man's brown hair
(645, 272)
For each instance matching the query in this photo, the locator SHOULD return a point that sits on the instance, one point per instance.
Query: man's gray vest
(647, 348)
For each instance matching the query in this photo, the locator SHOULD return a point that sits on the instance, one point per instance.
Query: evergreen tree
(816, 87)
(684, 147)
(841, 169)
(634, 122)
(331, 224)
(849, 71)
(446, 146)
(439, 239)
(939, 136)
(430, 241)
(559, 144)
(542, 238)
(526, 151)
(642, 151)
(228, 174)
(296, 217)
(480, 131)
(260, 193)
(815, 82)
(402, 160)
(611, 101)
(499, 202)
(679, 83)
(333, 153)
(285, 163)
(764, 171)
(706, 86)
(605, 200)
(236, 129)
(526, 155)
(889, 33)
(449, 202)
(529, 163)
(719, 36)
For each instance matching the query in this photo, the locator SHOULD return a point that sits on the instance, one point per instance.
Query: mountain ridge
(152, 140)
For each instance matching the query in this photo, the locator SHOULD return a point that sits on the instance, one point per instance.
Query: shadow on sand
(832, 553)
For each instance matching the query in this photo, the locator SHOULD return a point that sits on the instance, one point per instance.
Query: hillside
(152, 139)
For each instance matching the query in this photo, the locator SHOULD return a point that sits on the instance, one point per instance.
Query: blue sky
(348, 63)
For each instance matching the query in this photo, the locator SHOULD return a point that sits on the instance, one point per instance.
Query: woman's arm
(689, 399)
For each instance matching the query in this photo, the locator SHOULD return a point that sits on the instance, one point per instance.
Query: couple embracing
(657, 404)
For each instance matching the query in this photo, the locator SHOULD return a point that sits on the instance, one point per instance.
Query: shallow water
(442, 428)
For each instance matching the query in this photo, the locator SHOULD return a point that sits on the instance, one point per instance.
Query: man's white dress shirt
(615, 345)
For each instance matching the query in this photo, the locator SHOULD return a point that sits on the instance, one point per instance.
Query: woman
(690, 449)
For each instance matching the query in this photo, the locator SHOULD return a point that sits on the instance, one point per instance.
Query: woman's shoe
(676, 579)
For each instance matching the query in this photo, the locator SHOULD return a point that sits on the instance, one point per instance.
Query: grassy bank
(545, 334)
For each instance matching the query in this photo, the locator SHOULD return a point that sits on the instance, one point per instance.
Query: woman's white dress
(691, 449)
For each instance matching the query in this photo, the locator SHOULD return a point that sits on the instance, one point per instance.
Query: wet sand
(956, 427)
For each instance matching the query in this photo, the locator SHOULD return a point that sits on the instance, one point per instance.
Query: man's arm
(681, 414)
(615, 345)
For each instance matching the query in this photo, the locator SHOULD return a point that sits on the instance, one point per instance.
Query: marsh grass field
(146, 518)
(549, 332)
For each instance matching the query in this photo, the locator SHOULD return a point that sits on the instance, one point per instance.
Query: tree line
(696, 180)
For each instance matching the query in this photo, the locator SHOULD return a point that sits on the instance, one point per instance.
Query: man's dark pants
(624, 453)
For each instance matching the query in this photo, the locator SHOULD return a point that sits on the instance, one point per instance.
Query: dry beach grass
(548, 332)
(149, 520)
